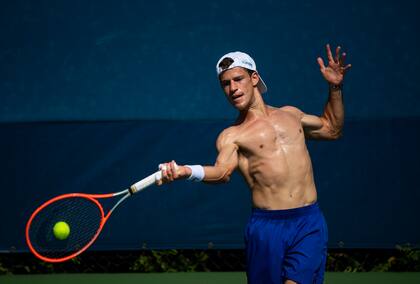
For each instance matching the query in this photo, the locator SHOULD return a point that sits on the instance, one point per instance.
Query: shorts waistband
(286, 213)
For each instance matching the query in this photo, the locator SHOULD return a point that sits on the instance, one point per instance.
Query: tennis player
(286, 236)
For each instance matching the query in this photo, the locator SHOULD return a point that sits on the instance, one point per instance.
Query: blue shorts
(286, 244)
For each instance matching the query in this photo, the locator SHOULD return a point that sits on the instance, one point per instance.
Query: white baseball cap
(241, 59)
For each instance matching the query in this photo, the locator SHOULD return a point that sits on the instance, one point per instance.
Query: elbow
(336, 137)
(225, 178)
(334, 130)
(225, 175)
(335, 134)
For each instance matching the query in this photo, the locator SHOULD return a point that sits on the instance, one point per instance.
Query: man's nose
(233, 87)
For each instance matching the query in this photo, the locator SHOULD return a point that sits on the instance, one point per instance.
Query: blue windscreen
(365, 181)
(95, 94)
(116, 60)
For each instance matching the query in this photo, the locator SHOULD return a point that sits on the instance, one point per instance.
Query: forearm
(208, 174)
(226, 162)
(216, 174)
(334, 111)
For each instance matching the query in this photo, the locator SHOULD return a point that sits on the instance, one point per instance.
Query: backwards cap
(241, 59)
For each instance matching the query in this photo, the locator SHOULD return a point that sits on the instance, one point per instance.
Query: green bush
(403, 258)
(408, 260)
(171, 261)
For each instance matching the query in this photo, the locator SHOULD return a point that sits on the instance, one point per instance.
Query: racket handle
(146, 182)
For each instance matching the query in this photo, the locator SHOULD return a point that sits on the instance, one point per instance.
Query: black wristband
(336, 87)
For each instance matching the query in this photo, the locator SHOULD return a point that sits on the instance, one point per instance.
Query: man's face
(238, 86)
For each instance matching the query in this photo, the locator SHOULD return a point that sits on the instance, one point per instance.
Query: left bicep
(315, 127)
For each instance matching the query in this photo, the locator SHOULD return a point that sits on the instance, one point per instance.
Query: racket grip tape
(146, 182)
(150, 180)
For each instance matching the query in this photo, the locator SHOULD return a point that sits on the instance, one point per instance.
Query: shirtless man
(286, 236)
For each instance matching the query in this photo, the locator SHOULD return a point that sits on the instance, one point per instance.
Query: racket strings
(81, 214)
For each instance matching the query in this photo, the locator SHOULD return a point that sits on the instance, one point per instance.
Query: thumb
(321, 63)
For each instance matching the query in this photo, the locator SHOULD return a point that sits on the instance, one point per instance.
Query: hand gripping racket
(82, 212)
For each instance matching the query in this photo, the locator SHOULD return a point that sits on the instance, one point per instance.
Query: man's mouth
(236, 97)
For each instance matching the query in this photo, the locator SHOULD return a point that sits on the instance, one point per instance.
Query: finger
(329, 53)
(343, 59)
(164, 172)
(164, 169)
(174, 169)
(337, 54)
(321, 63)
(348, 66)
(162, 166)
(169, 171)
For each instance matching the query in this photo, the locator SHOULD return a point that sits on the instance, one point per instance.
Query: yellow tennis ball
(61, 230)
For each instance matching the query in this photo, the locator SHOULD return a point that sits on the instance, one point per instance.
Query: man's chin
(239, 107)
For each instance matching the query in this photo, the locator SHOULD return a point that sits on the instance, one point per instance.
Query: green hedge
(403, 258)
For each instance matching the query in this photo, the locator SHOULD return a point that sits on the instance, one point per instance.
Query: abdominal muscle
(280, 176)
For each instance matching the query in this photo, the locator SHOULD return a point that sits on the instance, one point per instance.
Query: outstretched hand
(336, 68)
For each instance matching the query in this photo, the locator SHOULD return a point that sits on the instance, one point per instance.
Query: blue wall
(366, 182)
(96, 60)
(94, 94)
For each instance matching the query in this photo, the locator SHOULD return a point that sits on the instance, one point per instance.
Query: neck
(257, 108)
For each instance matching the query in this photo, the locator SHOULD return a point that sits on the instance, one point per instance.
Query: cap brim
(262, 87)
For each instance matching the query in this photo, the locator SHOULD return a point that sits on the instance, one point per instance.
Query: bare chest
(268, 134)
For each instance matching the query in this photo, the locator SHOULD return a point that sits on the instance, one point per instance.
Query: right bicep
(227, 153)
(226, 161)
(227, 156)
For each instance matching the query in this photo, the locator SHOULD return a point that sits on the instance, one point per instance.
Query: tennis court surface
(200, 277)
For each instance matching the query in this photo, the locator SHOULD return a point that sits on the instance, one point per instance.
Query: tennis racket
(84, 215)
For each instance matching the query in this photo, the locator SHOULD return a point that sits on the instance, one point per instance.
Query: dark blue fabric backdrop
(93, 94)
(90, 60)
(366, 182)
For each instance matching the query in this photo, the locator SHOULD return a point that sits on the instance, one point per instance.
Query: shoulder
(292, 110)
(226, 137)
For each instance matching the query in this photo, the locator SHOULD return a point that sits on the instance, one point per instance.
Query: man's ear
(255, 78)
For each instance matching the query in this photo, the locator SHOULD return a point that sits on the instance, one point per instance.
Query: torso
(274, 160)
